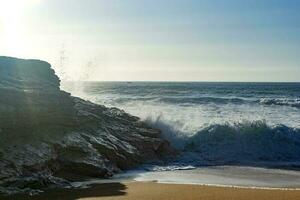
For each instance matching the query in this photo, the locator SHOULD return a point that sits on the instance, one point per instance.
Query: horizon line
(167, 81)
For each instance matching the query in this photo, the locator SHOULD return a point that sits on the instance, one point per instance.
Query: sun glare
(11, 26)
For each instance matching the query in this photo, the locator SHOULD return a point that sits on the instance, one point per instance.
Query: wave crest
(281, 102)
(241, 142)
(246, 141)
(203, 100)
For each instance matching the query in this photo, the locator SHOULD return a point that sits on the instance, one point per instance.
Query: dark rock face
(34, 75)
(30, 95)
(49, 138)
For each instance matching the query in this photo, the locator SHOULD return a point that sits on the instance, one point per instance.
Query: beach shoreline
(163, 191)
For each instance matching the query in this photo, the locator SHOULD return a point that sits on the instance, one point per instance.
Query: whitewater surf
(212, 124)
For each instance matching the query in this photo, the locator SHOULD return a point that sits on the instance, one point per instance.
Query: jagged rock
(48, 138)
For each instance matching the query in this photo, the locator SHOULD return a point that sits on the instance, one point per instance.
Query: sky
(156, 40)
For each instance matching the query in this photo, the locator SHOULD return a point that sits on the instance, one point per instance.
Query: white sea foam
(295, 102)
(228, 176)
(216, 122)
(244, 124)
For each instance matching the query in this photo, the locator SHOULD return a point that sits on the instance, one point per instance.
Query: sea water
(189, 107)
(211, 124)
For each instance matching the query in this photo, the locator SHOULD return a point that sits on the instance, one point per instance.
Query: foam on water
(220, 176)
(228, 176)
(212, 123)
(281, 101)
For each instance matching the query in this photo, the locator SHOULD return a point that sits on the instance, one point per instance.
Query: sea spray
(213, 123)
(240, 142)
(246, 142)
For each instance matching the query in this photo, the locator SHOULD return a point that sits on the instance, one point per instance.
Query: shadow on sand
(102, 190)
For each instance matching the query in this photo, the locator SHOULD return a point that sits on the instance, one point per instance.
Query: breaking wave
(241, 142)
(203, 100)
(215, 100)
(281, 102)
(247, 141)
(213, 122)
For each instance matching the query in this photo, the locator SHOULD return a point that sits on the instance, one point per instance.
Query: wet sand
(152, 191)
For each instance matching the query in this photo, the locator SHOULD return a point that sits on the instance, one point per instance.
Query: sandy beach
(152, 190)
(149, 100)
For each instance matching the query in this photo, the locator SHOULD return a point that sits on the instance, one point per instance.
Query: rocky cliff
(49, 138)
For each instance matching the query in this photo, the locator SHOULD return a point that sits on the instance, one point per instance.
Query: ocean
(213, 124)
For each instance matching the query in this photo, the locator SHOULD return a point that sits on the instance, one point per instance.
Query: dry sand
(158, 191)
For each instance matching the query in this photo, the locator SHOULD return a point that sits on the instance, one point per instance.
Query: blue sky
(190, 40)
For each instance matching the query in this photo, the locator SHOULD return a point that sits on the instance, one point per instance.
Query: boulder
(49, 138)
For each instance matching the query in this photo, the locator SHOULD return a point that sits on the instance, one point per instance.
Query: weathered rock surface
(49, 138)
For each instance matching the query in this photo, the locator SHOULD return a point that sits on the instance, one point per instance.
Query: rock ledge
(49, 138)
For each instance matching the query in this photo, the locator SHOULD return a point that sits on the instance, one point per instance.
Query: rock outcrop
(49, 138)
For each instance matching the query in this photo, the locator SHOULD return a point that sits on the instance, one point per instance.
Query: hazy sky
(179, 40)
